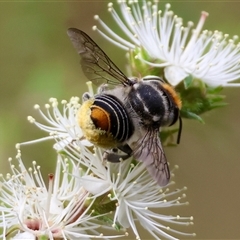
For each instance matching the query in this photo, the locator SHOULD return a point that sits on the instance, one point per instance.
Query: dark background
(37, 61)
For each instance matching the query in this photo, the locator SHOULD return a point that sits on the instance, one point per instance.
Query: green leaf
(188, 81)
(43, 238)
(198, 98)
(108, 220)
(191, 115)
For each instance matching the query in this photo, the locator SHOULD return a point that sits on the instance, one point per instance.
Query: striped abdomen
(109, 114)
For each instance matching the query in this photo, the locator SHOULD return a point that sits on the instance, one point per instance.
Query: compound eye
(100, 118)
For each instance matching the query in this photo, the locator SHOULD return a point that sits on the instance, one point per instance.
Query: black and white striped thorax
(153, 103)
(119, 122)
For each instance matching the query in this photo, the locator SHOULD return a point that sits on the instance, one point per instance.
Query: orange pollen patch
(100, 118)
(174, 95)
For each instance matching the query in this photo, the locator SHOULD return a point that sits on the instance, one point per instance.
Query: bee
(126, 113)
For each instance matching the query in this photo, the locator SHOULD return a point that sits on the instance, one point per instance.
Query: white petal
(95, 185)
(86, 143)
(56, 206)
(174, 74)
(122, 215)
(24, 236)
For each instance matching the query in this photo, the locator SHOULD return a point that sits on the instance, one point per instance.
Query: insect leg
(86, 96)
(102, 88)
(114, 156)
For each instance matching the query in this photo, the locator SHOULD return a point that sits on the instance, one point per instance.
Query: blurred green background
(39, 62)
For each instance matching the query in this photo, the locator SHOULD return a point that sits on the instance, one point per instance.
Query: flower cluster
(31, 209)
(86, 196)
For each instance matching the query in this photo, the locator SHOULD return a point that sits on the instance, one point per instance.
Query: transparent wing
(96, 65)
(150, 152)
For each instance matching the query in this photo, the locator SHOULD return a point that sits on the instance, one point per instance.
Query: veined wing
(150, 152)
(96, 65)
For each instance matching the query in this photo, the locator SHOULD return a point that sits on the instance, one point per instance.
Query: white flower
(137, 197)
(140, 199)
(181, 51)
(60, 125)
(61, 210)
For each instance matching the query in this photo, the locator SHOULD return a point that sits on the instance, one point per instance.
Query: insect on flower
(127, 113)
